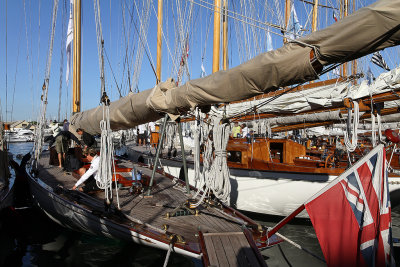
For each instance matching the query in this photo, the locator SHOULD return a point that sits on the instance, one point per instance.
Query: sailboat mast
(159, 39)
(315, 16)
(217, 33)
(344, 9)
(76, 94)
(288, 5)
(225, 35)
(354, 62)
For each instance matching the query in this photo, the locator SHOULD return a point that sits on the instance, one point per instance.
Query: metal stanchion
(160, 143)
(183, 158)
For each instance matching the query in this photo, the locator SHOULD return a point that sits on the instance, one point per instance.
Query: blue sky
(28, 38)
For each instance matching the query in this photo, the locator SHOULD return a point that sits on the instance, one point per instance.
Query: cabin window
(235, 156)
(276, 150)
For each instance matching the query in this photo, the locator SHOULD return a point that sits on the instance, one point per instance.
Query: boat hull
(7, 197)
(269, 192)
(76, 217)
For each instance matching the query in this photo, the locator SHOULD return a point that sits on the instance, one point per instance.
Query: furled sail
(125, 113)
(365, 31)
(325, 96)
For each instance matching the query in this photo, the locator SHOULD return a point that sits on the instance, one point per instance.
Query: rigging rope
(39, 131)
(64, 11)
(215, 175)
(107, 163)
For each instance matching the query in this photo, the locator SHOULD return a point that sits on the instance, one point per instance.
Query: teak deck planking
(166, 196)
(230, 249)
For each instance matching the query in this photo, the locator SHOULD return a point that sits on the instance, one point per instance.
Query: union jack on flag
(352, 215)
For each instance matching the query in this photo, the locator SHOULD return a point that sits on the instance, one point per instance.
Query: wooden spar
(76, 93)
(285, 221)
(225, 35)
(217, 33)
(315, 16)
(345, 6)
(287, 16)
(159, 39)
(354, 62)
(364, 104)
(384, 112)
(314, 19)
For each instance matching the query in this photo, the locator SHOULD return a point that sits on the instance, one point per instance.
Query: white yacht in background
(23, 135)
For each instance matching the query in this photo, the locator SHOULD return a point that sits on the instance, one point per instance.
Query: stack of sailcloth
(367, 30)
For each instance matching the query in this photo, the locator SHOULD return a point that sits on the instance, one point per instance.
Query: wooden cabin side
(274, 154)
(244, 154)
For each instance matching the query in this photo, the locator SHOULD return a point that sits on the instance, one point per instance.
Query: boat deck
(167, 194)
(230, 249)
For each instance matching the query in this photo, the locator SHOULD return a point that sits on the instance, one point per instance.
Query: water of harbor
(29, 238)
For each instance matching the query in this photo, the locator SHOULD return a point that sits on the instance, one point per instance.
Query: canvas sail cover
(125, 113)
(325, 96)
(367, 30)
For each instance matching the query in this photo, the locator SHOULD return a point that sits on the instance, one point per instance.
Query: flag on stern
(377, 59)
(352, 215)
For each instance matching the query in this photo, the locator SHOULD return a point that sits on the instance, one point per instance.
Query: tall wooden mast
(288, 5)
(344, 9)
(315, 16)
(159, 39)
(217, 33)
(354, 62)
(225, 35)
(76, 94)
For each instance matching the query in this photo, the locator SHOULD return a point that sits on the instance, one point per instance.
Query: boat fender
(392, 136)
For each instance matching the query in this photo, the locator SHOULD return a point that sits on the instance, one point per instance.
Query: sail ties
(351, 145)
(107, 166)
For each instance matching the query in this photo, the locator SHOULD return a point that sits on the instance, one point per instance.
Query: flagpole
(285, 220)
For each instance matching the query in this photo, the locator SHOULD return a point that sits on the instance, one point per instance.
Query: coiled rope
(107, 165)
(215, 175)
(351, 145)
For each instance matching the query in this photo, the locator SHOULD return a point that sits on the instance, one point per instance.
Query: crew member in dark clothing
(61, 141)
(88, 140)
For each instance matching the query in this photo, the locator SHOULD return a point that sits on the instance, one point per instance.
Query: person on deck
(66, 125)
(142, 129)
(90, 176)
(245, 130)
(236, 130)
(61, 140)
(88, 140)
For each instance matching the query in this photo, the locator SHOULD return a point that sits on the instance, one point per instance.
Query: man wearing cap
(90, 176)
(61, 140)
